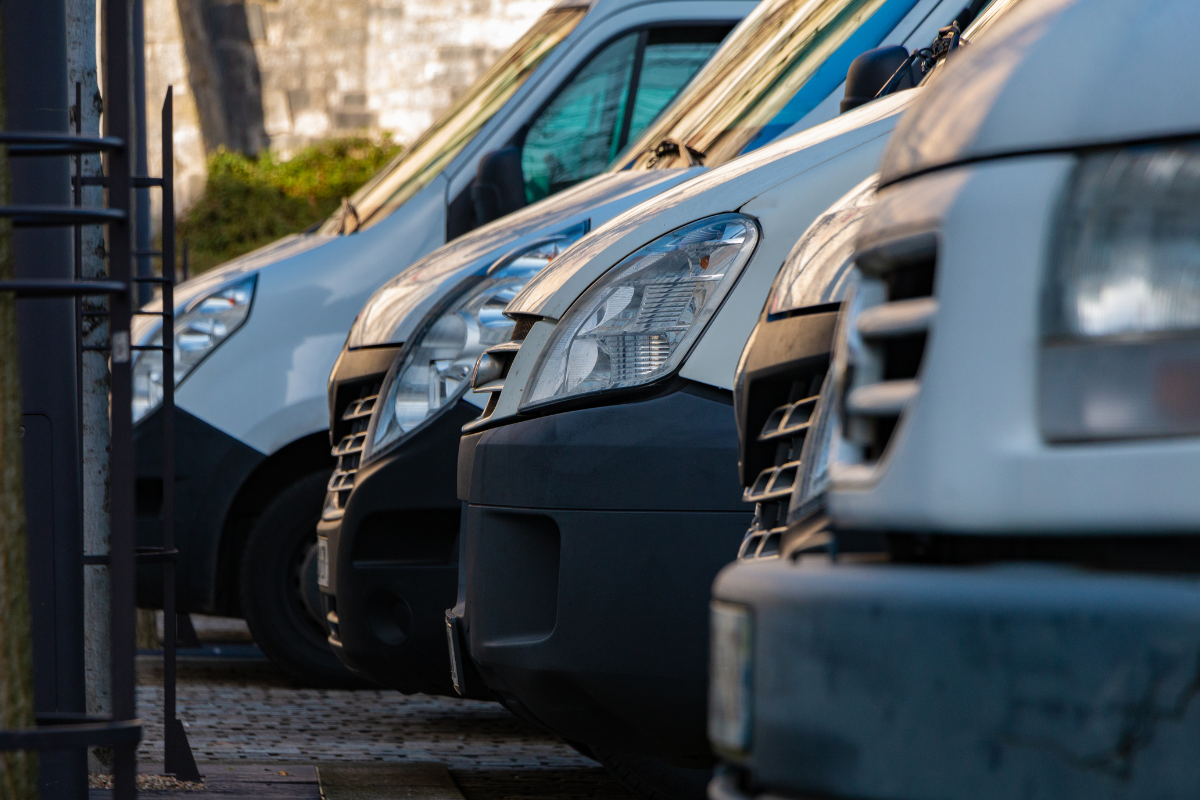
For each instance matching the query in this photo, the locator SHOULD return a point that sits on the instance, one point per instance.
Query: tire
(275, 583)
(654, 779)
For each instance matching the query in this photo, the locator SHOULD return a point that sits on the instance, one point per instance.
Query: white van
(1017, 382)
(600, 481)
(398, 396)
(255, 339)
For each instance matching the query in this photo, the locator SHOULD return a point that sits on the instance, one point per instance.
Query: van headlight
(200, 328)
(636, 324)
(820, 268)
(434, 370)
(731, 677)
(1120, 353)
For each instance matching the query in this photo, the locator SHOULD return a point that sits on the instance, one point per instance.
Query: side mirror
(499, 186)
(871, 71)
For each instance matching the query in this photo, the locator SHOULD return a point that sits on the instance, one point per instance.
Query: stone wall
(166, 65)
(290, 72)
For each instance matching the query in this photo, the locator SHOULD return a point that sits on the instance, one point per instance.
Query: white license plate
(323, 562)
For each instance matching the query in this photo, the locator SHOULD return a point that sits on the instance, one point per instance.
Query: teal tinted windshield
(608, 102)
(414, 168)
(782, 61)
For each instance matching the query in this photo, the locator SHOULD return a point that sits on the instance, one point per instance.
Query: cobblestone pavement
(246, 711)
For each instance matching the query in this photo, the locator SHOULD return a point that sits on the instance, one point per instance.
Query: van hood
(1057, 75)
(208, 282)
(395, 309)
(727, 188)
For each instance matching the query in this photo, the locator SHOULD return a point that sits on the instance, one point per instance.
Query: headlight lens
(820, 267)
(636, 324)
(435, 370)
(1128, 254)
(199, 329)
(1121, 313)
(731, 677)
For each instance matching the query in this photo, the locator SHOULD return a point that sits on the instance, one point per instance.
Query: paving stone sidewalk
(245, 711)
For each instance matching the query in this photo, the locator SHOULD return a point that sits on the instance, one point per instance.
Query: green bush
(250, 202)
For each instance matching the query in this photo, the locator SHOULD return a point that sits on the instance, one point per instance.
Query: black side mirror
(871, 71)
(499, 186)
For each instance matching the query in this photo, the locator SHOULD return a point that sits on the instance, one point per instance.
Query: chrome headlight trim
(470, 321)
(637, 323)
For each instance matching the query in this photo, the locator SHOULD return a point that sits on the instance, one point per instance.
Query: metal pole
(142, 225)
(77, 251)
(177, 754)
(37, 98)
(168, 429)
(119, 122)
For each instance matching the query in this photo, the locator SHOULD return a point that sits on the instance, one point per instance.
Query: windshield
(414, 168)
(787, 57)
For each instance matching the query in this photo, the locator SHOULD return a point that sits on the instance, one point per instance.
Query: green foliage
(251, 202)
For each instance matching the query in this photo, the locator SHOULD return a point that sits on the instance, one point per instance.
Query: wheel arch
(279, 470)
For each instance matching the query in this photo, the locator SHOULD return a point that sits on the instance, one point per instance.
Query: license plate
(322, 562)
(731, 677)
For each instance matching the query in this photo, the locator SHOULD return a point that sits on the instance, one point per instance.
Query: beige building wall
(330, 67)
(166, 65)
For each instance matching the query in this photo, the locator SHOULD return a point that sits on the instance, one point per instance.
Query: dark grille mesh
(348, 450)
(786, 428)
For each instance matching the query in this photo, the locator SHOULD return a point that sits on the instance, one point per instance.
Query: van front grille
(348, 450)
(892, 320)
(786, 427)
(503, 356)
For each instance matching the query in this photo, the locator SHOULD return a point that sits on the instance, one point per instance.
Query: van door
(603, 105)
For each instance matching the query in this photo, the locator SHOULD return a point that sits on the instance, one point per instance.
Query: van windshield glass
(775, 68)
(420, 163)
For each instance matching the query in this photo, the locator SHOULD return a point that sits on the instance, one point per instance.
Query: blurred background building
(282, 74)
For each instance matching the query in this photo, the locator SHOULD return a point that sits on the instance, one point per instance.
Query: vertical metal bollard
(177, 758)
(119, 118)
(170, 623)
(141, 228)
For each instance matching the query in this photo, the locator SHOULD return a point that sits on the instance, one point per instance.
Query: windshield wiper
(671, 147)
(348, 211)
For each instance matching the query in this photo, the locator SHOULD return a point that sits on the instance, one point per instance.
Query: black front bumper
(393, 560)
(591, 541)
(210, 468)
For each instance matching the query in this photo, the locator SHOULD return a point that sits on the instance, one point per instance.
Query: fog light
(389, 617)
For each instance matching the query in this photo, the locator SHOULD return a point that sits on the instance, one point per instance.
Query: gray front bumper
(1018, 680)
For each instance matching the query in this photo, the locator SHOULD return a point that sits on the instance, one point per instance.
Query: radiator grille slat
(897, 314)
(504, 353)
(786, 427)
(896, 319)
(348, 450)
(360, 408)
(884, 399)
(788, 421)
